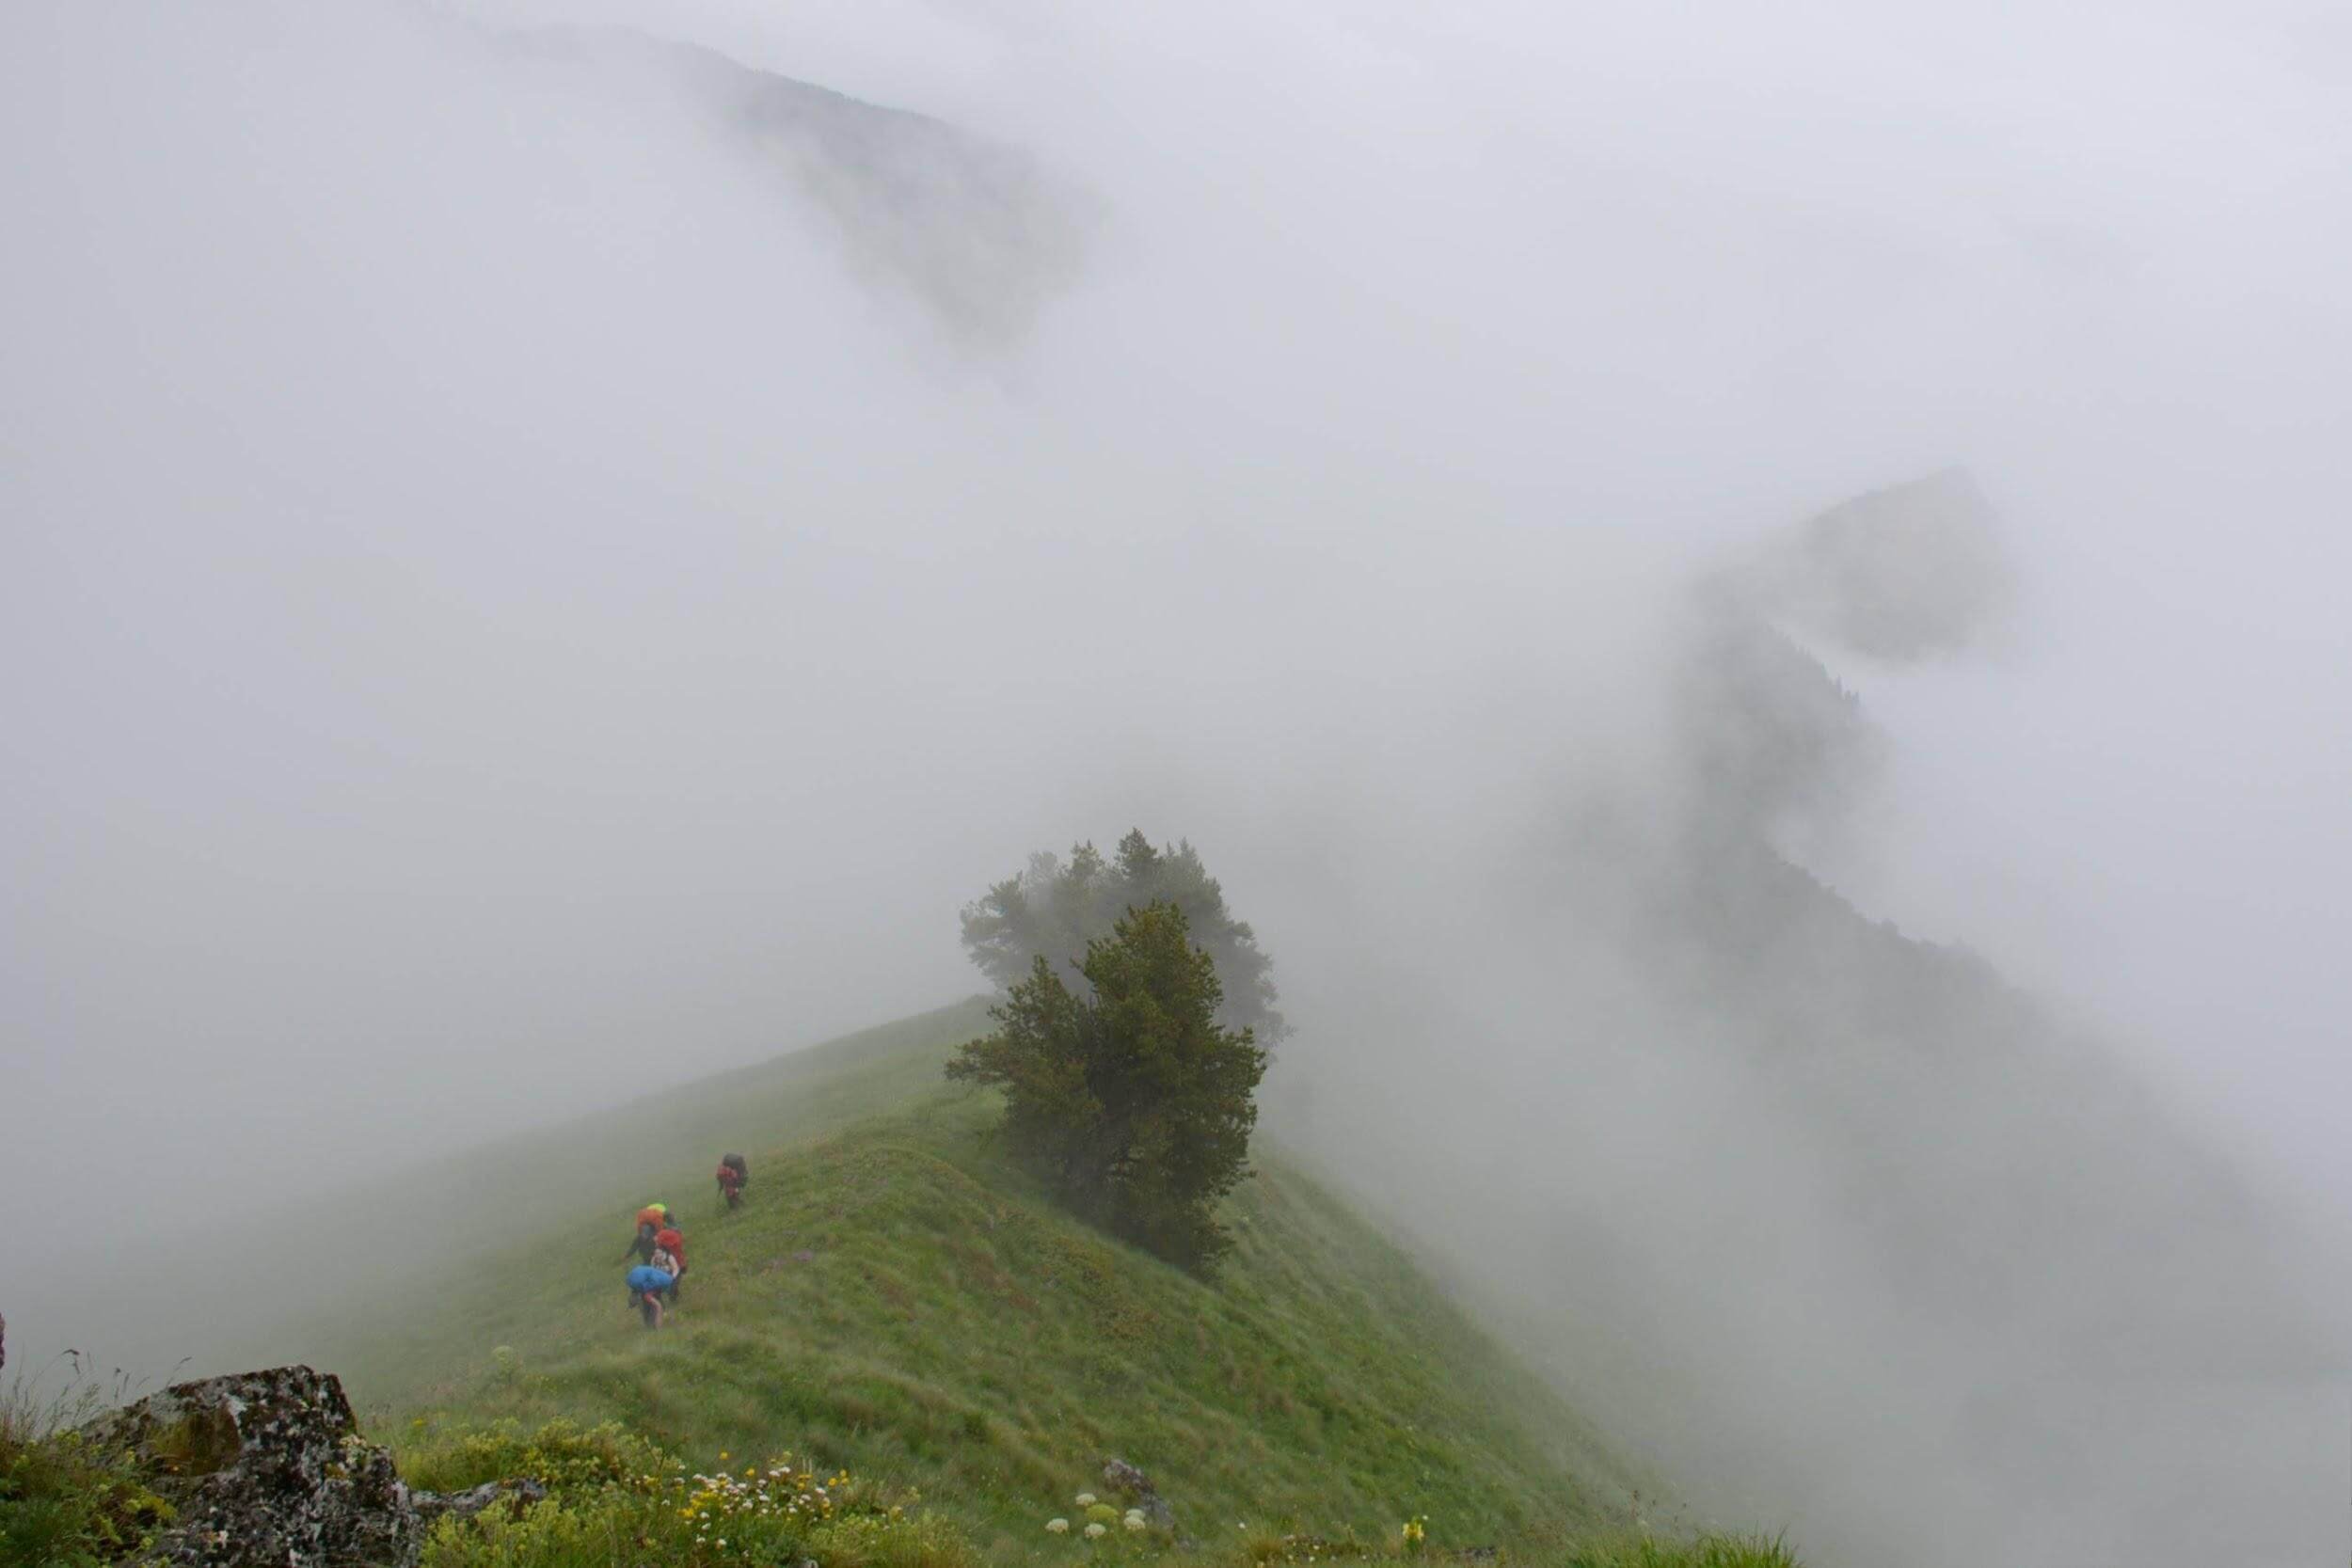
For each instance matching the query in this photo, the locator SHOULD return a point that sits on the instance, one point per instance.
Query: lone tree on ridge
(1132, 1102)
(1055, 907)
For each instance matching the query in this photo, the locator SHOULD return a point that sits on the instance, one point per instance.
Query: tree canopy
(1132, 1102)
(1055, 907)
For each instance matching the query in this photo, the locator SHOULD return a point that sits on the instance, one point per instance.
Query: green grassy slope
(897, 1300)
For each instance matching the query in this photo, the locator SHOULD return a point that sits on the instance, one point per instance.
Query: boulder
(268, 1470)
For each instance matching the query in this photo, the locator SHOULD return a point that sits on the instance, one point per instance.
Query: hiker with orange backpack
(734, 1175)
(650, 1219)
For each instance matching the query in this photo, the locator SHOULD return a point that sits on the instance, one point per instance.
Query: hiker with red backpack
(669, 1253)
(734, 1175)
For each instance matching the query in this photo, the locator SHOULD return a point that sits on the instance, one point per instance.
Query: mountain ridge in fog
(1896, 1147)
(980, 231)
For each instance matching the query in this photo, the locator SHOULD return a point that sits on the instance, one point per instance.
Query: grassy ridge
(899, 1301)
(467, 1216)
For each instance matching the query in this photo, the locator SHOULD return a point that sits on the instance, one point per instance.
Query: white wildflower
(1134, 1521)
(1059, 1526)
(1094, 1531)
(1086, 1499)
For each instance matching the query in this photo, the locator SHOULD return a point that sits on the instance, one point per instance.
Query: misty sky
(503, 606)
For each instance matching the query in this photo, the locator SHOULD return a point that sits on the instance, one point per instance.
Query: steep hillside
(896, 1300)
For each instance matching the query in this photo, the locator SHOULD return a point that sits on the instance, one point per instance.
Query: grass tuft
(1705, 1551)
(68, 1499)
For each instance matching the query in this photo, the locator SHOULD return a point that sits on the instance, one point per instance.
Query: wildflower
(1059, 1526)
(1134, 1521)
(1094, 1531)
(1086, 1499)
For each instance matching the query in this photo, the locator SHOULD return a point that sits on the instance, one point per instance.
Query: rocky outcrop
(268, 1470)
(1125, 1481)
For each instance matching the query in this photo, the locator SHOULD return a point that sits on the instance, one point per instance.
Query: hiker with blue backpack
(659, 1251)
(649, 1289)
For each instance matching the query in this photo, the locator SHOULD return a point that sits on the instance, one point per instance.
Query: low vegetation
(67, 1501)
(1705, 1551)
(614, 1499)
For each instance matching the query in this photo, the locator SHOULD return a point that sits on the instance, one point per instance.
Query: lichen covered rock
(268, 1470)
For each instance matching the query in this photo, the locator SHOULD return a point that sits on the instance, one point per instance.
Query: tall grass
(68, 1499)
(1705, 1551)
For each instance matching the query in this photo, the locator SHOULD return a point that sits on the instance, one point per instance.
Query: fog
(533, 568)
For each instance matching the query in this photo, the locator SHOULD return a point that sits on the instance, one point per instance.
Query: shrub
(576, 1532)
(561, 1454)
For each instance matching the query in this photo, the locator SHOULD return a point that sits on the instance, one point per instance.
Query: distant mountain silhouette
(976, 230)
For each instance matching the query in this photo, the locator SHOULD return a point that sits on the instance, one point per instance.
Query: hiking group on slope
(660, 1246)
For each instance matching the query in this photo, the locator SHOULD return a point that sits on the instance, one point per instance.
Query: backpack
(735, 1163)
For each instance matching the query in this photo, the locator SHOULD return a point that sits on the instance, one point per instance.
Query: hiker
(734, 1175)
(648, 1288)
(669, 1252)
(650, 1219)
